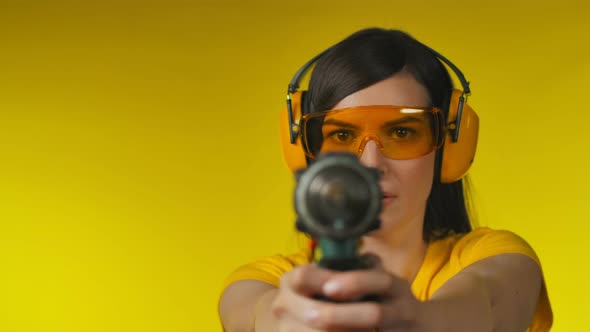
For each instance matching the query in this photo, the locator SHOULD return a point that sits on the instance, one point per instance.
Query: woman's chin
(388, 222)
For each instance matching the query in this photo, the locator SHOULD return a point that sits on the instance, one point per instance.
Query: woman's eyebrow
(407, 119)
(341, 124)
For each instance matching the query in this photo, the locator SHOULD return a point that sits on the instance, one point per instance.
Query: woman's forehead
(400, 89)
(374, 116)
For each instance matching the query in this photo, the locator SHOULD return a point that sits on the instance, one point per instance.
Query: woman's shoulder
(448, 256)
(269, 269)
(482, 242)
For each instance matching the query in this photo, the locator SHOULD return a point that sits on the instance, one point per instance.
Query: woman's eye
(401, 132)
(341, 136)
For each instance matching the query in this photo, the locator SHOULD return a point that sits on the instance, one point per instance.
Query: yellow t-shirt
(444, 259)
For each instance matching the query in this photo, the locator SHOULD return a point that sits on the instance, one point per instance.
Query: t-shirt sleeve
(484, 242)
(268, 269)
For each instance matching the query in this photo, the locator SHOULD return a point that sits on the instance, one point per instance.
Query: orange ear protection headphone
(458, 149)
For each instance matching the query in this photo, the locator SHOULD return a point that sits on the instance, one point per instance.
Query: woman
(435, 273)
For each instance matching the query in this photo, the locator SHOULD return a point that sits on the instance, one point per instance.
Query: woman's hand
(297, 308)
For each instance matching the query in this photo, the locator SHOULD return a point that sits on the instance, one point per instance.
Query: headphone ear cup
(293, 153)
(458, 156)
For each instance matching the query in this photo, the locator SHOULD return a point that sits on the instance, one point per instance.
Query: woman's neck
(400, 253)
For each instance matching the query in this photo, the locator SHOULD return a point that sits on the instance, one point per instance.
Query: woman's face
(405, 184)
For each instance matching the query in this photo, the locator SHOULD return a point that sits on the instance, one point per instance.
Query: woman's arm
(240, 302)
(498, 293)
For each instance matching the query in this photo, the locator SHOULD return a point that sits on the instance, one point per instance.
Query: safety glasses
(399, 132)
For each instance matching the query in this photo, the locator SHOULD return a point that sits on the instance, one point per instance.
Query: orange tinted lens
(401, 133)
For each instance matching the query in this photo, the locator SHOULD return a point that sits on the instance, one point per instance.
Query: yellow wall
(139, 156)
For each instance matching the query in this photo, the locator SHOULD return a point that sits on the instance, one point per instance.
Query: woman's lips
(387, 199)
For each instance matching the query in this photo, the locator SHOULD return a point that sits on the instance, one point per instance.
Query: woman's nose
(371, 155)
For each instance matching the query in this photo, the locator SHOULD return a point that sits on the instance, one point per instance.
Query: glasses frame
(440, 127)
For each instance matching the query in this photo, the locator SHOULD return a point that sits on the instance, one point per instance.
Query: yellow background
(140, 159)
